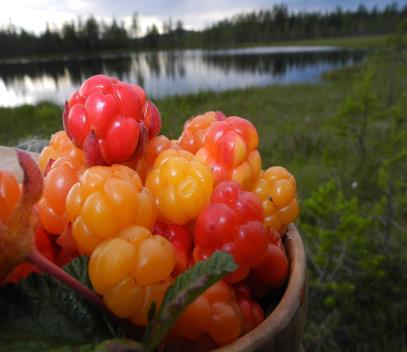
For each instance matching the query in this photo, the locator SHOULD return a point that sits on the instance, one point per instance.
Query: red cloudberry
(181, 241)
(232, 222)
(111, 120)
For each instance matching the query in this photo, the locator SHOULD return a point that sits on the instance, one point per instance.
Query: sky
(33, 15)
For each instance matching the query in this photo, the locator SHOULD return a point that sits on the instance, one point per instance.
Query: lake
(166, 73)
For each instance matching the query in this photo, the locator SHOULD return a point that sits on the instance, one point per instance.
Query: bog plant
(354, 224)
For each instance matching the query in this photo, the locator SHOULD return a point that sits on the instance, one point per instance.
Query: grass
(28, 121)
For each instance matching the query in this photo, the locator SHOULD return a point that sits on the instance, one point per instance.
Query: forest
(258, 27)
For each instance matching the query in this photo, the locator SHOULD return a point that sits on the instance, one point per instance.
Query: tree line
(275, 24)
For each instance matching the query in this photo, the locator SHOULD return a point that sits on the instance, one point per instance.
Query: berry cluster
(233, 222)
(230, 149)
(181, 185)
(59, 146)
(276, 188)
(131, 270)
(111, 120)
(145, 208)
(61, 175)
(216, 312)
(105, 201)
(195, 130)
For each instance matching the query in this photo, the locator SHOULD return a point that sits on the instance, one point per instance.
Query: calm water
(167, 73)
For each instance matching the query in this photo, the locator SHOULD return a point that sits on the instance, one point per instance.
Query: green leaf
(78, 269)
(187, 287)
(42, 314)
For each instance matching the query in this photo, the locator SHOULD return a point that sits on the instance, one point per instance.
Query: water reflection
(164, 73)
(279, 63)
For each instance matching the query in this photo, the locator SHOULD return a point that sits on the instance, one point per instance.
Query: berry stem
(37, 259)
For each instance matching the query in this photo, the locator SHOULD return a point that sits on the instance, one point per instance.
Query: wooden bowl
(283, 328)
